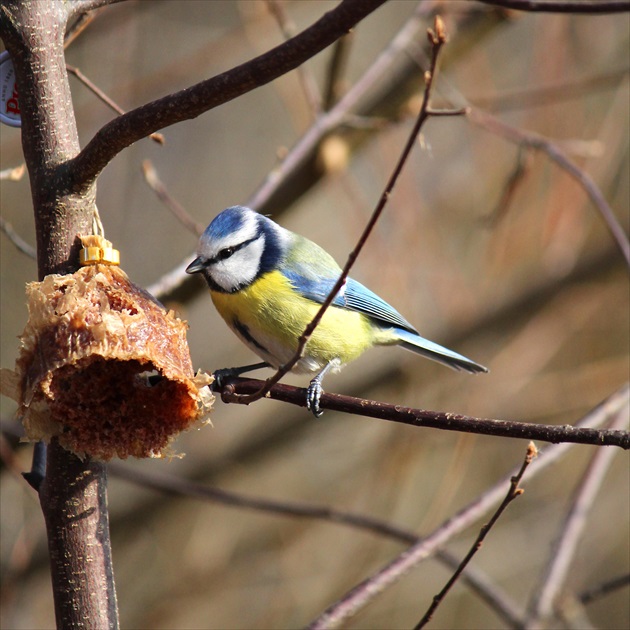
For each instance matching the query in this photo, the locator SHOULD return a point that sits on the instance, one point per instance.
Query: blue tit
(268, 283)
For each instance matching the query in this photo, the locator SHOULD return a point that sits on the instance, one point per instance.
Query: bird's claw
(225, 373)
(313, 394)
(221, 375)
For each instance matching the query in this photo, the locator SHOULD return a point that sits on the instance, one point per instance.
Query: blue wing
(313, 273)
(353, 296)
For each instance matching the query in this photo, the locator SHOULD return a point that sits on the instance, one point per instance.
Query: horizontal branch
(202, 97)
(232, 389)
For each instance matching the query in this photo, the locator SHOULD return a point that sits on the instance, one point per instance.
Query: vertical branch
(74, 500)
(33, 33)
(73, 495)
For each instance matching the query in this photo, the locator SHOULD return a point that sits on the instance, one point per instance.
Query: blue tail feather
(426, 348)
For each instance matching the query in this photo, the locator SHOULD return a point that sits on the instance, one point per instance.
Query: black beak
(196, 265)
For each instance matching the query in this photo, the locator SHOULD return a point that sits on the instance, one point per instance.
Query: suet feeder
(103, 367)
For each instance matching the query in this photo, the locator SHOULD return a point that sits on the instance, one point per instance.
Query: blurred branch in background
(535, 141)
(613, 410)
(381, 90)
(202, 97)
(154, 182)
(307, 80)
(513, 492)
(554, 576)
(156, 137)
(17, 240)
(549, 94)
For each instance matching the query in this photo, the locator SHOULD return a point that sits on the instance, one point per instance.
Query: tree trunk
(73, 494)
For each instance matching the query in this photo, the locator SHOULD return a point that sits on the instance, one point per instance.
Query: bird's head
(238, 247)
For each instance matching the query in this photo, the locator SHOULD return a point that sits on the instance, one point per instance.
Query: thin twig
(156, 137)
(555, 153)
(515, 179)
(17, 240)
(240, 390)
(154, 182)
(513, 492)
(563, 6)
(336, 69)
(77, 7)
(601, 590)
(306, 78)
(437, 39)
(548, 94)
(561, 556)
(13, 174)
(365, 592)
(79, 26)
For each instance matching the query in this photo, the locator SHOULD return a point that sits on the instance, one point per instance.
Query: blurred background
(487, 247)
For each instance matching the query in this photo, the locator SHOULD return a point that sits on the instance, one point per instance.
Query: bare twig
(514, 180)
(239, 390)
(79, 25)
(548, 94)
(563, 6)
(601, 590)
(77, 7)
(154, 182)
(156, 137)
(555, 153)
(361, 595)
(202, 97)
(560, 559)
(17, 240)
(306, 78)
(336, 69)
(13, 174)
(513, 492)
(437, 39)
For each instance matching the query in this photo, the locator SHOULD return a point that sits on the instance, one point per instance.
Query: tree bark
(73, 495)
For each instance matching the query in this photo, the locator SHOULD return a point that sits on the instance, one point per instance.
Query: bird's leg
(220, 375)
(315, 390)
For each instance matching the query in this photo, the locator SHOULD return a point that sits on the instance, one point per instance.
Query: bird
(268, 283)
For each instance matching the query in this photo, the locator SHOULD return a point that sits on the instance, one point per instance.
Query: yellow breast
(270, 316)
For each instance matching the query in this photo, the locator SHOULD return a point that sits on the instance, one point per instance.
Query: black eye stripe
(229, 251)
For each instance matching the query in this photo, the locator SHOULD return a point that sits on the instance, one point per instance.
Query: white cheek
(241, 268)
